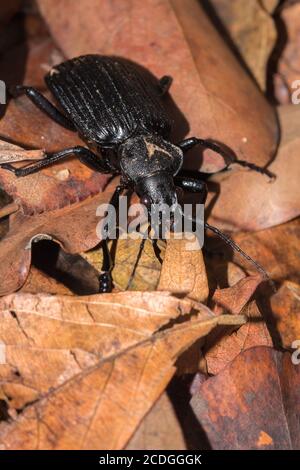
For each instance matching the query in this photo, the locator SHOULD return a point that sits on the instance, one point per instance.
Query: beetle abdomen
(108, 99)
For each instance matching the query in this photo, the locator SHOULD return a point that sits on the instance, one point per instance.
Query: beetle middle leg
(85, 156)
(43, 104)
(191, 142)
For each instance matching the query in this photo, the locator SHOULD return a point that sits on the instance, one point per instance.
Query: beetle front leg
(105, 278)
(43, 104)
(188, 144)
(85, 156)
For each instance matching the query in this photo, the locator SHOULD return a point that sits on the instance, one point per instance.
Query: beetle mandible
(121, 117)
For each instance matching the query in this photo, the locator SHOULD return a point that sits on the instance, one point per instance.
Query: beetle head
(151, 163)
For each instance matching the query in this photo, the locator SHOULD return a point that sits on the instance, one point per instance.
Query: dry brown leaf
(289, 61)
(247, 201)
(183, 270)
(269, 5)
(148, 270)
(204, 70)
(29, 60)
(224, 344)
(38, 282)
(14, 153)
(160, 429)
(105, 367)
(234, 298)
(8, 9)
(252, 30)
(285, 305)
(183, 273)
(253, 403)
(221, 349)
(277, 249)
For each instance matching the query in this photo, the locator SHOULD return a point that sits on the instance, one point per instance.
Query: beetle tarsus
(258, 169)
(105, 283)
(9, 167)
(105, 278)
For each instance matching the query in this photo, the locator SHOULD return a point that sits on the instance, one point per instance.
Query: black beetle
(121, 116)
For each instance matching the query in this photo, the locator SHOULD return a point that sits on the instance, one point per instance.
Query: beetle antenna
(258, 169)
(236, 247)
(141, 248)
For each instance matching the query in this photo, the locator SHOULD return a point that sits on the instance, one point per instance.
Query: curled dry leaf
(109, 357)
(73, 227)
(256, 203)
(204, 70)
(253, 403)
(38, 282)
(252, 30)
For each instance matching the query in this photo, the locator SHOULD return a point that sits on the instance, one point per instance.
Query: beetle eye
(145, 200)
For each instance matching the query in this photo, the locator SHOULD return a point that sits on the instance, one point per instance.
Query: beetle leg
(85, 156)
(43, 104)
(105, 278)
(164, 84)
(187, 144)
(193, 185)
